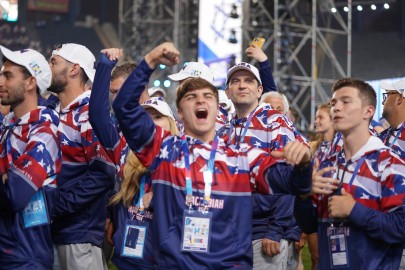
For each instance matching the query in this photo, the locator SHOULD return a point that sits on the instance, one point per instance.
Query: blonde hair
(132, 172)
(320, 136)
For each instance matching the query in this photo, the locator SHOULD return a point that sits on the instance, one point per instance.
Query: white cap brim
(158, 108)
(237, 68)
(13, 57)
(387, 86)
(179, 76)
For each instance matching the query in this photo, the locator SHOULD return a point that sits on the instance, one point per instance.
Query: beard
(57, 87)
(59, 82)
(385, 114)
(16, 97)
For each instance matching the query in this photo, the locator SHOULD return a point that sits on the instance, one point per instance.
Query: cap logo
(35, 67)
(23, 50)
(195, 73)
(153, 100)
(244, 65)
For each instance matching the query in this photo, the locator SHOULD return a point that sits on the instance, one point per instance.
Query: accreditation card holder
(133, 244)
(35, 212)
(337, 238)
(196, 231)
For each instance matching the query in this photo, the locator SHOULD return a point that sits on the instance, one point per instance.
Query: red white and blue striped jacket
(86, 178)
(376, 223)
(31, 158)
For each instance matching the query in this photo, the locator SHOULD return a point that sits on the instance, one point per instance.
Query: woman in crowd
(321, 148)
(130, 215)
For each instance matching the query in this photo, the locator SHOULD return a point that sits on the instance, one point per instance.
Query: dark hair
(24, 70)
(366, 92)
(122, 70)
(194, 84)
(26, 73)
(83, 76)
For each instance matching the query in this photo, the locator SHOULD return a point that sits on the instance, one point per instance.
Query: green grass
(111, 266)
(306, 258)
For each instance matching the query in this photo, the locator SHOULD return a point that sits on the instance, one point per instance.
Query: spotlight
(234, 12)
(167, 83)
(232, 37)
(373, 7)
(386, 6)
(359, 8)
(161, 66)
(156, 83)
(346, 9)
(334, 10)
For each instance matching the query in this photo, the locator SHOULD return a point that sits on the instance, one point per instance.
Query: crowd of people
(16, 37)
(95, 166)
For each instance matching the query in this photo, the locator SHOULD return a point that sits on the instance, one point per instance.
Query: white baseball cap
(78, 54)
(193, 70)
(244, 66)
(153, 90)
(387, 86)
(159, 105)
(223, 99)
(34, 62)
(400, 87)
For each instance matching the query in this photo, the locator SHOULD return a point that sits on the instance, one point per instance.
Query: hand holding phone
(259, 41)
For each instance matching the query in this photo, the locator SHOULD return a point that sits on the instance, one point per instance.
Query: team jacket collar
(79, 101)
(30, 117)
(373, 144)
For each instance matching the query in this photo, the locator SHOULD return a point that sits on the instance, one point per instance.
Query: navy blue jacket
(230, 241)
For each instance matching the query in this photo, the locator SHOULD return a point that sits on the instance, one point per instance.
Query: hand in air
(114, 54)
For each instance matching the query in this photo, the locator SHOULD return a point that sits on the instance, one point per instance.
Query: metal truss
(302, 37)
(144, 24)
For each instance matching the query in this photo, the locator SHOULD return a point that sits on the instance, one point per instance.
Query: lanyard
(207, 174)
(396, 136)
(139, 208)
(245, 129)
(356, 170)
(8, 143)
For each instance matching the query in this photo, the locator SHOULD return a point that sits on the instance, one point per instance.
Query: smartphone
(258, 41)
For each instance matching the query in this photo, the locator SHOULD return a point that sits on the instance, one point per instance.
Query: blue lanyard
(206, 174)
(8, 143)
(396, 136)
(245, 129)
(356, 170)
(139, 205)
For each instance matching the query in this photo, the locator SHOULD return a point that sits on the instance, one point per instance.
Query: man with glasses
(394, 113)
